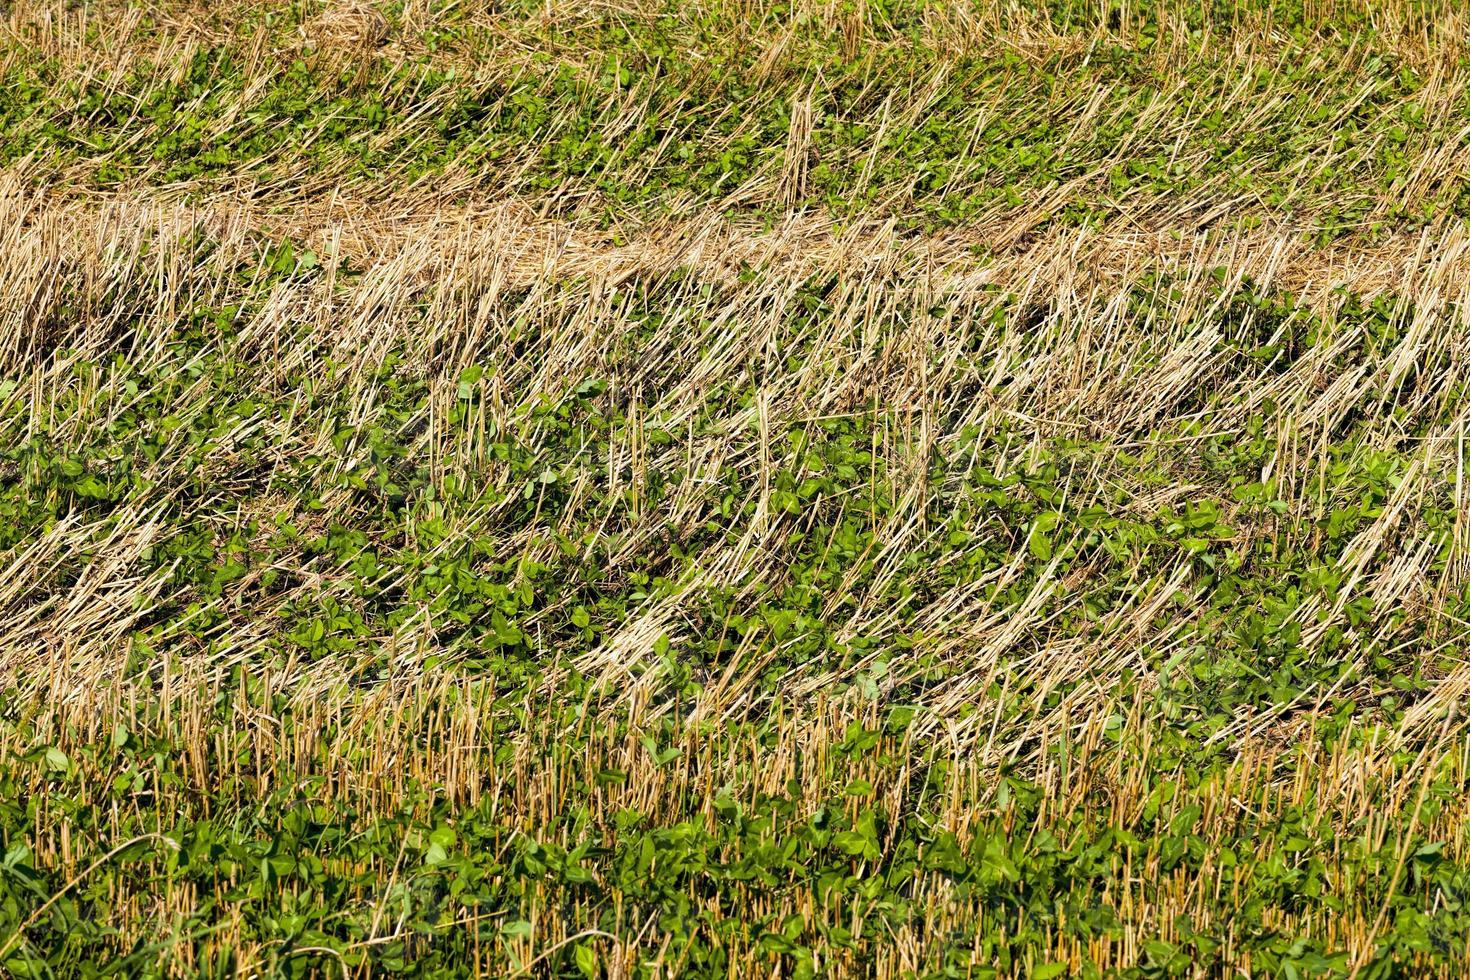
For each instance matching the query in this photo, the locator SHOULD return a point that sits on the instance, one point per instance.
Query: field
(734, 488)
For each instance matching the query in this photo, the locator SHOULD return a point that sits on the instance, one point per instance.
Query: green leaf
(23, 966)
(586, 960)
(18, 856)
(1039, 541)
(441, 839)
(851, 842)
(660, 756)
